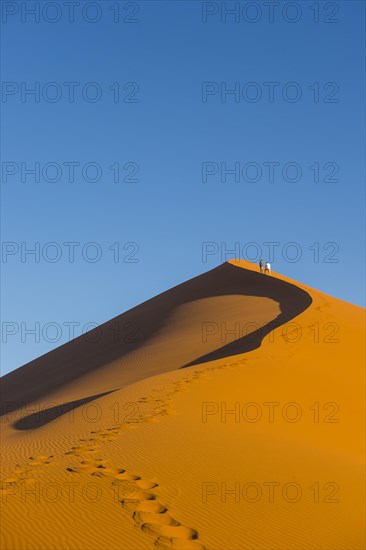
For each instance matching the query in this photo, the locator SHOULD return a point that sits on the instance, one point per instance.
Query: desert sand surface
(226, 413)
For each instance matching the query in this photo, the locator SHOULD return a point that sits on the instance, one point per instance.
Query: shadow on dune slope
(43, 417)
(131, 331)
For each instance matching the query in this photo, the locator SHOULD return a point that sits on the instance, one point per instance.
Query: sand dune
(162, 334)
(225, 413)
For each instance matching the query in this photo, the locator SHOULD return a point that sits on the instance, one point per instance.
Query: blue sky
(172, 132)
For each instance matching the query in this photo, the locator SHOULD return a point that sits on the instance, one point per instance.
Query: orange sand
(159, 461)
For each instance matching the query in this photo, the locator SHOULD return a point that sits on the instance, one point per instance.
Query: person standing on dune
(267, 268)
(260, 266)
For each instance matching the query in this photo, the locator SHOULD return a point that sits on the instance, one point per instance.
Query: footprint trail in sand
(139, 495)
(148, 512)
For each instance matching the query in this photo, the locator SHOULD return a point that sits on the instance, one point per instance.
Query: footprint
(11, 480)
(126, 476)
(151, 506)
(164, 411)
(139, 495)
(82, 449)
(170, 531)
(39, 460)
(90, 466)
(145, 484)
(144, 518)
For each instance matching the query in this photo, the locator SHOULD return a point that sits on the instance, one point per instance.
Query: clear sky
(144, 160)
